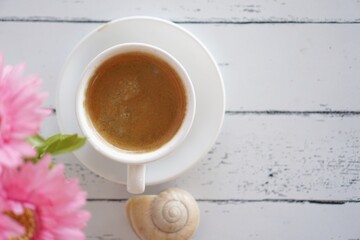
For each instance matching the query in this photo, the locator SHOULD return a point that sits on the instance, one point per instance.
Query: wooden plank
(287, 67)
(265, 67)
(263, 157)
(243, 220)
(188, 10)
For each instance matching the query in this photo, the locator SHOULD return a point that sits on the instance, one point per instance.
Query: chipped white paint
(264, 157)
(259, 158)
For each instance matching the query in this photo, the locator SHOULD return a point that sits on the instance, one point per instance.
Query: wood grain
(229, 11)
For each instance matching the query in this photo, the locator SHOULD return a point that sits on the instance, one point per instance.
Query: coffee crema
(136, 101)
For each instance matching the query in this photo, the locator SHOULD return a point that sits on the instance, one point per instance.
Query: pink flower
(20, 113)
(43, 201)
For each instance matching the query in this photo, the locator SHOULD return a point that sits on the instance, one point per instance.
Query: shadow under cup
(88, 120)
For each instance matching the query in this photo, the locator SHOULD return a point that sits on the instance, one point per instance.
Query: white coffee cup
(135, 160)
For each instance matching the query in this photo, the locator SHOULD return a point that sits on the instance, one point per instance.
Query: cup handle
(136, 178)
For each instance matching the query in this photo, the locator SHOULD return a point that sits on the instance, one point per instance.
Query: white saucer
(196, 59)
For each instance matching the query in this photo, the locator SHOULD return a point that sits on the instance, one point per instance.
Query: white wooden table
(287, 162)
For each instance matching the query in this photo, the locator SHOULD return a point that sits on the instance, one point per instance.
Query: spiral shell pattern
(171, 215)
(171, 209)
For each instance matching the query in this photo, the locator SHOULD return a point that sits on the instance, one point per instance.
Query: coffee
(136, 101)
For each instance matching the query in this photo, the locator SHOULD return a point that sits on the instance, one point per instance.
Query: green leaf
(61, 143)
(55, 145)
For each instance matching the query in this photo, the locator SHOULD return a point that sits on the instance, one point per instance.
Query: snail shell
(171, 215)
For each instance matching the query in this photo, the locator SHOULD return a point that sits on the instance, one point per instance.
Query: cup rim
(98, 142)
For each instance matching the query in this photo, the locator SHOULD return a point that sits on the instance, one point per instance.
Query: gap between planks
(301, 113)
(235, 201)
(97, 21)
(283, 112)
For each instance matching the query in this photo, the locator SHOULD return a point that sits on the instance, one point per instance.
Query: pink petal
(21, 112)
(9, 228)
